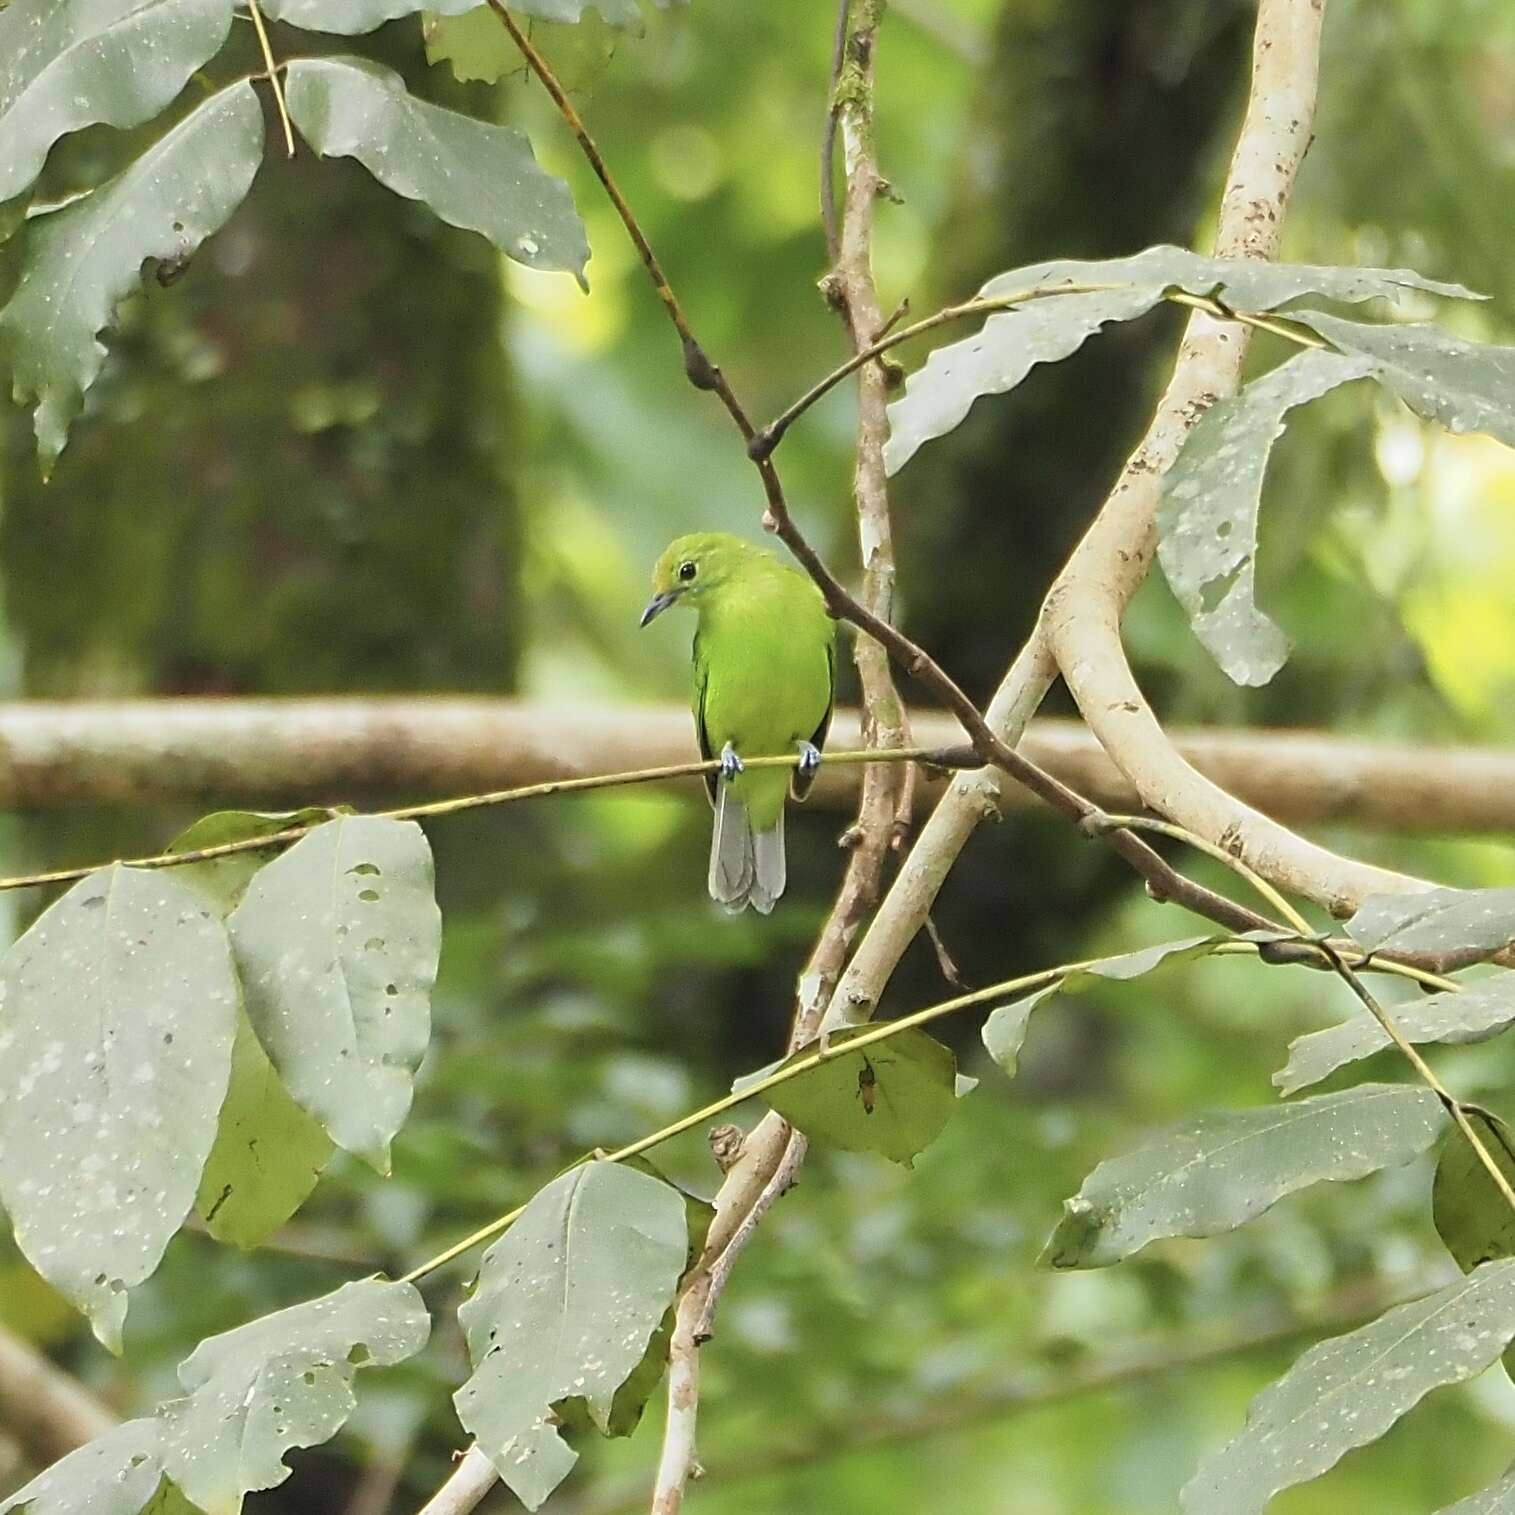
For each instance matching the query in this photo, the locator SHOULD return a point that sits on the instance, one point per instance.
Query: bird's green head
(694, 566)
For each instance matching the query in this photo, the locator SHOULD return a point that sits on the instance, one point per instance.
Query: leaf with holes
(1347, 1392)
(115, 1474)
(567, 1303)
(68, 64)
(1467, 922)
(117, 1014)
(279, 1382)
(1216, 1171)
(337, 941)
(1466, 386)
(80, 262)
(893, 1096)
(224, 880)
(473, 174)
(1473, 1014)
(268, 1153)
(1207, 522)
(939, 396)
(1005, 1030)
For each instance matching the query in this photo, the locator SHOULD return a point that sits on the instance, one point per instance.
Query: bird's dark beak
(657, 605)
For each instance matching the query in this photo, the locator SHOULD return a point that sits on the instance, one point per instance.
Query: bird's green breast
(763, 654)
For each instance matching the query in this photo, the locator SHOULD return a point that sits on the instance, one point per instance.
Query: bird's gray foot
(731, 764)
(810, 760)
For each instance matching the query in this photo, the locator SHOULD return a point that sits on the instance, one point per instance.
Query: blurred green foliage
(351, 451)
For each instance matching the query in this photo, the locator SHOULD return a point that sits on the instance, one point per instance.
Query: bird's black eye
(686, 570)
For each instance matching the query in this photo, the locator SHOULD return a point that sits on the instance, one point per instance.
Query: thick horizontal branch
(47, 1411)
(267, 752)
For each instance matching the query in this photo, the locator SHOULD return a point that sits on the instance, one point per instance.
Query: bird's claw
(731, 764)
(810, 760)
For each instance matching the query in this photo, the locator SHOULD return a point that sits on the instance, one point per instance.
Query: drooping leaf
(1466, 386)
(115, 1474)
(268, 1153)
(223, 880)
(1347, 1392)
(938, 396)
(68, 64)
(566, 1305)
(1215, 1171)
(893, 1096)
(473, 174)
(83, 260)
(1497, 1499)
(1005, 1030)
(117, 1015)
(1436, 920)
(1207, 522)
(1472, 1216)
(474, 44)
(337, 941)
(1474, 1014)
(279, 1382)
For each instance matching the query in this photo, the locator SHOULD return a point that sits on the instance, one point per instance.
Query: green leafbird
(764, 668)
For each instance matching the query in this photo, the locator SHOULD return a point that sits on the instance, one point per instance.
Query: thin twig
(271, 73)
(431, 809)
(768, 438)
(1411, 1052)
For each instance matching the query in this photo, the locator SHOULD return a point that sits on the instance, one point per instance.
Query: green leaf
(68, 64)
(472, 174)
(1005, 1029)
(475, 45)
(1472, 1217)
(1471, 1015)
(1215, 1171)
(268, 1152)
(1497, 1499)
(117, 1015)
(1207, 522)
(566, 1305)
(83, 260)
(115, 1474)
(279, 1382)
(1466, 386)
(350, 17)
(892, 1097)
(337, 941)
(1347, 1392)
(224, 880)
(994, 360)
(1436, 920)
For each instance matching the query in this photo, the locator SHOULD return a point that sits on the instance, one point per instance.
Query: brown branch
(288, 752)
(47, 1411)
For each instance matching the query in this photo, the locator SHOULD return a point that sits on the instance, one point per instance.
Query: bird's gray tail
(745, 868)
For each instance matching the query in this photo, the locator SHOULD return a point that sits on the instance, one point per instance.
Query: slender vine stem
(827, 1050)
(272, 67)
(1348, 976)
(768, 439)
(932, 757)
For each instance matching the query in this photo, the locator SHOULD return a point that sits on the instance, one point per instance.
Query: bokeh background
(353, 451)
